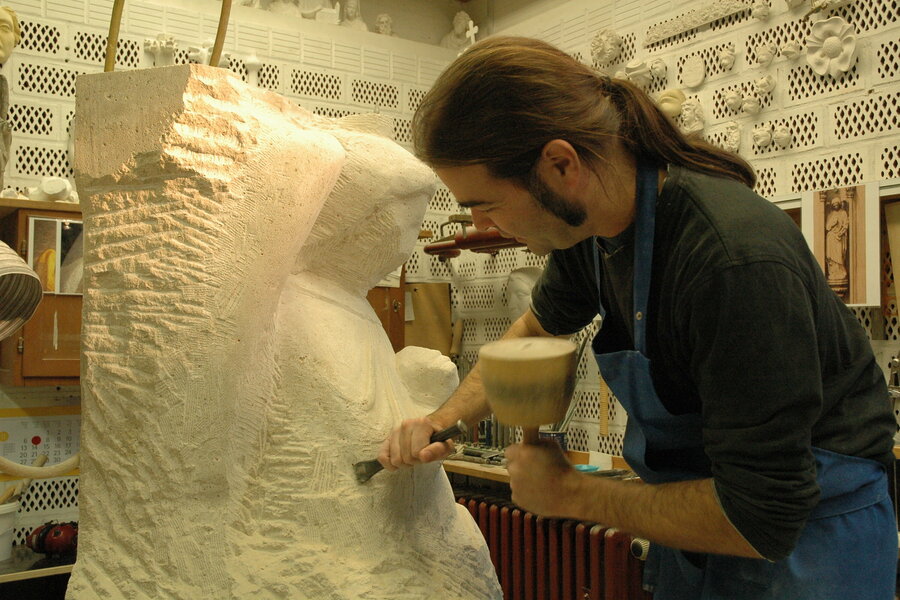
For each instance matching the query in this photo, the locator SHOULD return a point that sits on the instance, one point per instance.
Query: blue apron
(848, 548)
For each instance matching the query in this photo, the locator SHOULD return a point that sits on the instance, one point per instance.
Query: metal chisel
(365, 469)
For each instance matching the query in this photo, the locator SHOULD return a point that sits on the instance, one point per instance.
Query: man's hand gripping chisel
(365, 469)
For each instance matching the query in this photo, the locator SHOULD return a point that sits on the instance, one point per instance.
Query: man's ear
(559, 164)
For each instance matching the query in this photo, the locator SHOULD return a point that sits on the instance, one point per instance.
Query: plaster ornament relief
(782, 136)
(794, 3)
(329, 16)
(765, 53)
(638, 73)
(734, 99)
(692, 118)
(791, 49)
(709, 12)
(670, 102)
(726, 57)
(620, 75)
(831, 47)
(384, 24)
(751, 105)
(161, 49)
(201, 54)
(606, 47)
(732, 141)
(762, 136)
(693, 71)
(764, 85)
(284, 7)
(233, 370)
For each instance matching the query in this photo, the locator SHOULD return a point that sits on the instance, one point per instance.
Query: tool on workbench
(528, 381)
(365, 469)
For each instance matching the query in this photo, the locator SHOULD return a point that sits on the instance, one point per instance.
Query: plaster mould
(232, 369)
(709, 12)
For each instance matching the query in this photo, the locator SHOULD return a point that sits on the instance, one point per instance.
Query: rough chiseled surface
(232, 369)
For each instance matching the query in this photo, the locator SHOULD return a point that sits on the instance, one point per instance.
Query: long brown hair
(505, 97)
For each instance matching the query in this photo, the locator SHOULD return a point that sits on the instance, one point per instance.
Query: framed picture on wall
(55, 254)
(845, 241)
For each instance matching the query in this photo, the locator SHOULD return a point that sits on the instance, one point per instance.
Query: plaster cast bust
(10, 36)
(456, 38)
(242, 330)
(658, 69)
(284, 7)
(352, 16)
(638, 73)
(606, 46)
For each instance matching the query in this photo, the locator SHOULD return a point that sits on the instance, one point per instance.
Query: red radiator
(555, 559)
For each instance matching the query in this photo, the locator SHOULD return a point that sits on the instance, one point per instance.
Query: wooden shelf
(8, 205)
(21, 565)
(498, 473)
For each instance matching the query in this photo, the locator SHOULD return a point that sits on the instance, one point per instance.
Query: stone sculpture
(233, 370)
(10, 36)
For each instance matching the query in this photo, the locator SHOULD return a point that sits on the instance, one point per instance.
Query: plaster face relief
(762, 136)
(726, 57)
(791, 49)
(692, 116)
(764, 85)
(765, 54)
(732, 141)
(751, 105)
(233, 370)
(606, 46)
(782, 136)
(670, 102)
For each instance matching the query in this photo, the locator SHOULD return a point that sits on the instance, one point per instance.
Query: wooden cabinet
(47, 349)
(390, 306)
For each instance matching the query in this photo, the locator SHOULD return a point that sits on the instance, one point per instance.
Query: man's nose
(481, 221)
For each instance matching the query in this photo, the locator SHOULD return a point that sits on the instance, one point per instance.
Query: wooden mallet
(528, 381)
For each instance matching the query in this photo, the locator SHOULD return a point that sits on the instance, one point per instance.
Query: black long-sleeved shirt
(743, 329)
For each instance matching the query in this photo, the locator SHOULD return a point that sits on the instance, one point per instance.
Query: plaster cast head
(606, 46)
(782, 136)
(765, 54)
(751, 105)
(639, 73)
(351, 9)
(765, 84)
(384, 24)
(519, 285)
(791, 49)
(429, 376)
(461, 23)
(658, 69)
(692, 116)
(10, 32)
(732, 141)
(762, 136)
(760, 10)
(726, 57)
(734, 99)
(670, 102)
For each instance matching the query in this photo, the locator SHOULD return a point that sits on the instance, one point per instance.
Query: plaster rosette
(232, 369)
(831, 47)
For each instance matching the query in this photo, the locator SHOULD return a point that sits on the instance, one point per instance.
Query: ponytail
(504, 98)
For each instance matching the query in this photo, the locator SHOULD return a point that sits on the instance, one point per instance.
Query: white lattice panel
(890, 162)
(830, 172)
(721, 111)
(870, 116)
(804, 85)
(804, 128)
(710, 57)
(767, 182)
(316, 84)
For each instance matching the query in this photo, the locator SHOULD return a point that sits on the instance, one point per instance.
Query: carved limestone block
(233, 370)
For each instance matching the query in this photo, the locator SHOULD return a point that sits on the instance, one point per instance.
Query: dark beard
(553, 203)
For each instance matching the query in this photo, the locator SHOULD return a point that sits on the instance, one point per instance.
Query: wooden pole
(113, 39)
(220, 34)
